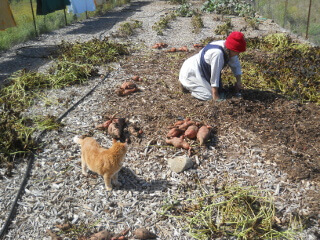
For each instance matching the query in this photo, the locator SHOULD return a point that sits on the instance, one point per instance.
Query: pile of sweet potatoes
(114, 127)
(119, 128)
(127, 88)
(186, 129)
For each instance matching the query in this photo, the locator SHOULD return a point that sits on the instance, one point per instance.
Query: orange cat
(106, 162)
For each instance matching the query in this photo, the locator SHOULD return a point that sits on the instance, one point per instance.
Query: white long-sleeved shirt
(192, 78)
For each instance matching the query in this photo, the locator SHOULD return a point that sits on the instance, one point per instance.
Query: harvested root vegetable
(173, 49)
(136, 78)
(178, 142)
(143, 233)
(128, 85)
(124, 92)
(135, 130)
(183, 49)
(191, 132)
(104, 125)
(198, 45)
(115, 129)
(204, 134)
(175, 132)
(186, 124)
(160, 45)
(178, 123)
(101, 235)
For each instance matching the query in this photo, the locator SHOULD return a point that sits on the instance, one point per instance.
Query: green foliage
(252, 22)
(128, 28)
(241, 212)
(283, 66)
(163, 23)
(178, 1)
(185, 10)
(224, 29)
(96, 52)
(197, 23)
(47, 123)
(74, 65)
(25, 27)
(229, 7)
(293, 16)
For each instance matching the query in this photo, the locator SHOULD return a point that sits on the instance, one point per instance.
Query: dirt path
(262, 140)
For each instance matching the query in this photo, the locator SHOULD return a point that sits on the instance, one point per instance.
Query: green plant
(241, 212)
(178, 1)
(96, 52)
(229, 7)
(163, 23)
(74, 65)
(252, 22)
(224, 29)
(128, 28)
(283, 66)
(47, 123)
(185, 10)
(197, 23)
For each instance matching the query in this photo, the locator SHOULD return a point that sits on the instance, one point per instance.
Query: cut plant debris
(234, 211)
(75, 64)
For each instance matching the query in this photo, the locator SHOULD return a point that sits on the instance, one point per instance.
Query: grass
(75, 64)
(234, 211)
(293, 17)
(25, 29)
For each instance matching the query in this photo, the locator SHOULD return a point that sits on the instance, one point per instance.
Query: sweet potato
(198, 45)
(160, 45)
(178, 123)
(135, 78)
(128, 85)
(124, 92)
(114, 131)
(116, 127)
(186, 124)
(191, 132)
(173, 49)
(203, 134)
(104, 125)
(178, 142)
(183, 49)
(143, 233)
(175, 132)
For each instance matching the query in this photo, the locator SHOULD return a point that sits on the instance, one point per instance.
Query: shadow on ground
(35, 55)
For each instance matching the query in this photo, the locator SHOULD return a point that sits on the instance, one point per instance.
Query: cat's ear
(114, 140)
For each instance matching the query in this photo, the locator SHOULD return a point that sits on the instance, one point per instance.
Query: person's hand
(215, 94)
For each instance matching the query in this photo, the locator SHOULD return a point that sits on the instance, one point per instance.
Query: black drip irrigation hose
(13, 210)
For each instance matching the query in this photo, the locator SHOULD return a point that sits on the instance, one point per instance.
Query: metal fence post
(308, 22)
(285, 13)
(34, 20)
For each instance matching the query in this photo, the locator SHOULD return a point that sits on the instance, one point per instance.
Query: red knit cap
(236, 42)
